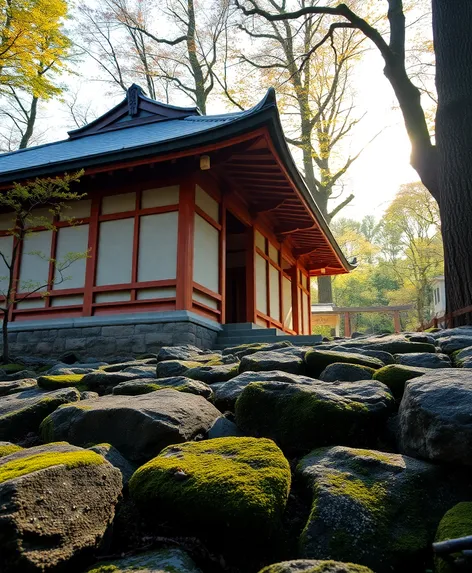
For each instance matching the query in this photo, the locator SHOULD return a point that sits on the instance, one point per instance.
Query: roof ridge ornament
(132, 96)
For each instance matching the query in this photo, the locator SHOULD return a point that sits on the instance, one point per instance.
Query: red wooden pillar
(295, 298)
(250, 276)
(396, 321)
(185, 240)
(347, 324)
(222, 261)
(91, 265)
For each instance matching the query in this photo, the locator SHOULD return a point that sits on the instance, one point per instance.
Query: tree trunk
(30, 123)
(6, 348)
(325, 289)
(452, 23)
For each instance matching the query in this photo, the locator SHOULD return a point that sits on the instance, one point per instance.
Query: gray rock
(247, 349)
(436, 417)
(113, 456)
(22, 412)
(423, 360)
(212, 374)
(146, 385)
(393, 344)
(149, 370)
(169, 368)
(185, 352)
(300, 417)
(385, 357)
(227, 393)
(138, 426)
(457, 331)
(462, 357)
(450, 344)
(21, 375)
(12, 387)
(272, 360)
(317, 360)
(104, 382)
(346, 372)
(57, 509)
(311, 566)
(223, 428)
(120, 366)
(81, 368)
(88, 395)
(375, 508)
(160, 561)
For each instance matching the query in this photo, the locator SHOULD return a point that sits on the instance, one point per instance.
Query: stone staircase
(250, 333)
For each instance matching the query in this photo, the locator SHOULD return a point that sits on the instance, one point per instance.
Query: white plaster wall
(76, 210)
(67, 300)
(152, 293)
(274, 291)
(260, 241)
(34, 265)
(273, 253)
(205, 299)
(159, 197)
(287, 295)
(206, 254)
(115, 296)
(118, 203)
(306, 317)
(115, 251)
(71, 240)
(207, 203)
(261, 284)
(31, 303)
(6, 248)
(157, 258)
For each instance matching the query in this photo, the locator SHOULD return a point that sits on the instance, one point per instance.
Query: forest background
(64, 63)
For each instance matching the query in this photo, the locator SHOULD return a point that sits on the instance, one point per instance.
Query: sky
(373, 179)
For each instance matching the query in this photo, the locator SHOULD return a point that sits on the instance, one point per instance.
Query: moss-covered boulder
(125, 366)
(374, 508)
(225, 486)
(61, 381)
(346, 372)
(435, 417)
(8, 387)
(385, 357)
(212, 374)
(23, 412)
(399, 345)
(56, 502)
(424, 360)
(138, 426)
(317, 360)
(227, 393)
(300, 417)
(273, 360)
(186, 352)
(450, 344)
(457, 522)
(147, 385)
(247, 349)
(462, 357)
(104, 382)
(312, 566)
(170, 368)
(113, 456)
(162, 561)
(395, 376)
(7, 448)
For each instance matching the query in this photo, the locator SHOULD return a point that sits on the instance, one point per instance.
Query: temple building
(188, 219)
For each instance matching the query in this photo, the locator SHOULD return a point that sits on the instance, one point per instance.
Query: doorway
(236, 249)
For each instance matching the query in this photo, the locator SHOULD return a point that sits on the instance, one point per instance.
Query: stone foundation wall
(124, 336)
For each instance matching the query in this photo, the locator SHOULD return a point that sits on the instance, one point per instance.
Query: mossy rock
(53, 382)
(395, 376)
(7, 448)
(310, 566)
(179, 383)
(253, 347)
(317, 360)
(300, 417)
(270, 361)
(224, 486)
(12, 368)
(457, 522)
(374, 508)
(23, 412)
(346, 372)
(169, 368)
(211, 374)
(161, 561)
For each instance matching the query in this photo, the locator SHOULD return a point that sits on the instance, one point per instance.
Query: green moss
(103, 569)
(12, 368)
(8, 449)
(23, 466)
(240, 482)
(46, 430)
(395, 376)
(457, 522)
(298, 419)
(317, 360)
(61, 381)
(373, 454)
(369, 494)
(320, 567)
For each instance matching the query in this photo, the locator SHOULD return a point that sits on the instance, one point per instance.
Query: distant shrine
(188, 218)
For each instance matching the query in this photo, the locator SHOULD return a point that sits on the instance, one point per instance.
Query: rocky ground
(350, 456)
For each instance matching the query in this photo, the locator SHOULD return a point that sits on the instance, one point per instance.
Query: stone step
(297, 340)
(251, 334)
(242, 326)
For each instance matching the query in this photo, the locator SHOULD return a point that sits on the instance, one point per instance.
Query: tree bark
(325, 289)
(30, 123)
(452, 23)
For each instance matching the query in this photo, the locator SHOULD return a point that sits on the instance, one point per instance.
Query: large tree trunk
(325, 289)
(452, 25)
